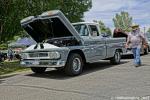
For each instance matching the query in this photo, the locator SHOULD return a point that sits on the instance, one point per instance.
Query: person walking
(10, 54)
(135, 40)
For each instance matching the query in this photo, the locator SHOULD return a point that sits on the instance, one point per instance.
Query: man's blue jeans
(136, 54)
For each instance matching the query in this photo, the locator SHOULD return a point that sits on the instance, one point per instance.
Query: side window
(81, 29)
(93, 30)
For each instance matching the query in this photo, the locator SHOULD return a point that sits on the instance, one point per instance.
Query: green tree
(12, 11)
(123, 21)
(148, 30)
(73, 9)
(103, 27)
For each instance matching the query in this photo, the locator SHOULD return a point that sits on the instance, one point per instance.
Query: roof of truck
(89, 23)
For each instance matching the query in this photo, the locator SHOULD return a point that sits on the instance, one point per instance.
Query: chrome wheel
(76, 64)
(117, 57)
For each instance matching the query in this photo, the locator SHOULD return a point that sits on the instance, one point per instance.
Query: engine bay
(63, 41)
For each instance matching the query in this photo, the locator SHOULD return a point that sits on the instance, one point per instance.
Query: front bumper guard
(42, 63)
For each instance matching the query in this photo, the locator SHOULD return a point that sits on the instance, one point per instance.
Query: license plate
(35, 62)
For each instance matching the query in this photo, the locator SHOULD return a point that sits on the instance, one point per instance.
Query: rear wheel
(38, 70)
(146, 51)
(74, 64)
(116, 58)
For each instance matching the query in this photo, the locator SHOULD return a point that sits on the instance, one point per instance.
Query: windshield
(81, 29)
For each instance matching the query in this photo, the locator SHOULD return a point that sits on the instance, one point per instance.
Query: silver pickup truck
(67, 46)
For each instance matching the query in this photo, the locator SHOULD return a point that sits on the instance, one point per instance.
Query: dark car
(3, 56)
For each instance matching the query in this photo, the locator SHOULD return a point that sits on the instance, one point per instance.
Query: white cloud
(105, 10)
(106, 5)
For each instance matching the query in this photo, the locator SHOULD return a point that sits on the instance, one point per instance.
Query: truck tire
(74, 65)
(38, 70)
(146, 51)
(116, 58)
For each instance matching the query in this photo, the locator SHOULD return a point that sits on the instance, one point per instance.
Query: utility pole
(144, 29)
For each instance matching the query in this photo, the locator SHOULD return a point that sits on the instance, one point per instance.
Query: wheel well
(120, 50)
(80, 52)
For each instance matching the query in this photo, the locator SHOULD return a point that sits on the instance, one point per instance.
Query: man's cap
(134, 25)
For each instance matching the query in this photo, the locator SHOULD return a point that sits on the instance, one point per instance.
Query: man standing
(10, 54)
(135, 39)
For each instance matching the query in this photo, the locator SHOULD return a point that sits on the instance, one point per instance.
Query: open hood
(51, 24)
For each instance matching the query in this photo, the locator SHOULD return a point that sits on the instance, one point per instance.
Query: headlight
(54, 55)
(24, 55)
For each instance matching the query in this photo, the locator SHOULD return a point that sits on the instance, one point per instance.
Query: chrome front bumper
(42, 63)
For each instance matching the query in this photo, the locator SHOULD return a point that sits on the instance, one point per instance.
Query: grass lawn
(8, 67)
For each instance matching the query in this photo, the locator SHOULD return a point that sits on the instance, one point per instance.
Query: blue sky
(105, 10)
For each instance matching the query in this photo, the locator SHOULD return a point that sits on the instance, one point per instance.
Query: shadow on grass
(7, 68)
(88, 68)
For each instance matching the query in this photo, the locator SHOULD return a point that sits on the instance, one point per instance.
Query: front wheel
(38, 70)
(116, 58)
(74, 64)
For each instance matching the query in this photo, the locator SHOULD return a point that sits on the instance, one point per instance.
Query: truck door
(97, 44)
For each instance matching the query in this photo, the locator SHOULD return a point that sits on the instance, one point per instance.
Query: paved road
(100, 81)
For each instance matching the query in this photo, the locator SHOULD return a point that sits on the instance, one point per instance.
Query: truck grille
(38, 54)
